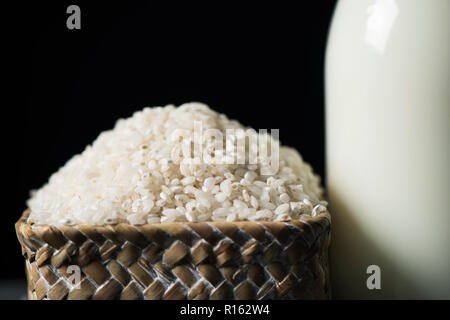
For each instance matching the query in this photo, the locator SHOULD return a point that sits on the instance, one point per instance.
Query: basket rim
(31, 235)
(320, 217)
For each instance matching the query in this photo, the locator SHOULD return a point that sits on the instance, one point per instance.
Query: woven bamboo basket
(214, 260)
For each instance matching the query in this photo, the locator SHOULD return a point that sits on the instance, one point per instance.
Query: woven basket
(214, 260)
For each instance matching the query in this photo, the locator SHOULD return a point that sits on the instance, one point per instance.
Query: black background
(261, 64)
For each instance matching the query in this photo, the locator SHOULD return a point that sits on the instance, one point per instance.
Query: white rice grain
(130, 174)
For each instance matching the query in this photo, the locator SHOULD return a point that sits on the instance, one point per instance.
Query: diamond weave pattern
(214, 260)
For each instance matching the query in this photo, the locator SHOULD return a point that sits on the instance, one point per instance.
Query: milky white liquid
(388, 147)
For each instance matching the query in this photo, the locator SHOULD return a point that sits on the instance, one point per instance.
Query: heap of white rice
(129, 175)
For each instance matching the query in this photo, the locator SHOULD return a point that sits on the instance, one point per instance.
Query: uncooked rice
(129, 175)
